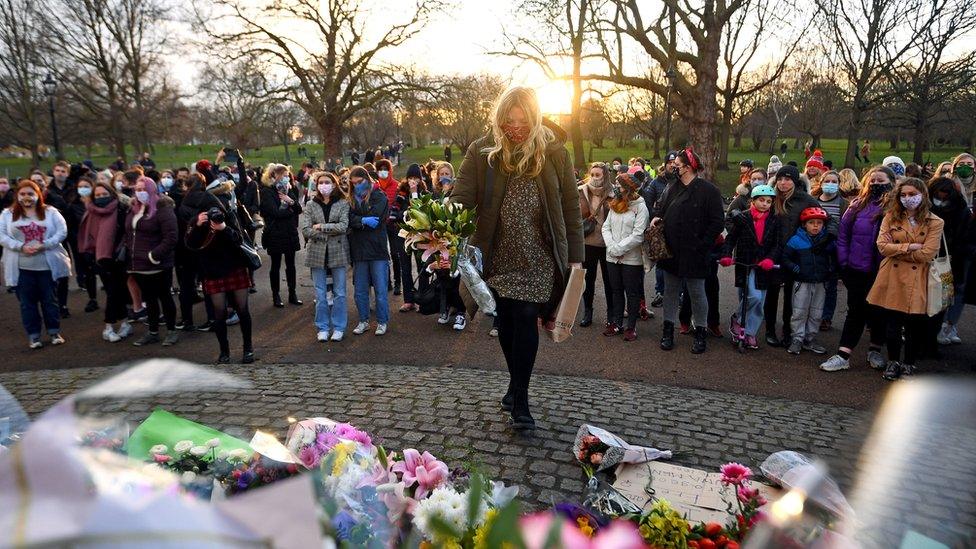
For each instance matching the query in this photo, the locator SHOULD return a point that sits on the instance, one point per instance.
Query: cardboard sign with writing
(697, 494)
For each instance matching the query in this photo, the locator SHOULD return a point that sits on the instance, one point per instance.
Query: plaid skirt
(237, 280)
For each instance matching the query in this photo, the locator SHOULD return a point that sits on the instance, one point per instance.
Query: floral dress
(522, 265)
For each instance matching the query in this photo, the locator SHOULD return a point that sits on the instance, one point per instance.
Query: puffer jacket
(154, 235)
(624, 233)
(810, 259)
(857, 237)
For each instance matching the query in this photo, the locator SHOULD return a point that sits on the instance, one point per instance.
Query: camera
(216, 215)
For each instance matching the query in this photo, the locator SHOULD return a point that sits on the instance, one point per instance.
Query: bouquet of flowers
(312, 439)
(439, 233)
(598, 449)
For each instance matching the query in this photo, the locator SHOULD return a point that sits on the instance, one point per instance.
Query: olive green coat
(560, 204)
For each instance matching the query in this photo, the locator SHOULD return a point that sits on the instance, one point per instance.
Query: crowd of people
(145, 235)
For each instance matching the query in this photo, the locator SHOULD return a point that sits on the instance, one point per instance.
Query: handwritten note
(698, 494)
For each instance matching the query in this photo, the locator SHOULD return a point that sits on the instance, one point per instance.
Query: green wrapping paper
(162, 427)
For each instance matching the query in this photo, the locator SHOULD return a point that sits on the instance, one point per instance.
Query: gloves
(726, 261)
(796, 268)
(766, 264)
(371, 222)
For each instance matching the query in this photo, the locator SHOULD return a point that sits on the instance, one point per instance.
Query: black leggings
(186, 277)
(625, 280)
(157, 290)
(86, 274)
(275, 271)
(396, 254)
(238, 301)
(450, 292)
(596, 255)
(772, 303)
(860, 313)
(914, 329)
(113, 276)
(518, 334)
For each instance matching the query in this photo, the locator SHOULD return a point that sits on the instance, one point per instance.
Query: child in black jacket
(811, 255)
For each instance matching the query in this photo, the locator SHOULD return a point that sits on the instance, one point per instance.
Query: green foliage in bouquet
(434, 229)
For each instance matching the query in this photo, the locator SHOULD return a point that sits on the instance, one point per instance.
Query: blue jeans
(753, 307)
(376, 273)
(658, 280)
(327, 316)
(36, 288)
(830, 304)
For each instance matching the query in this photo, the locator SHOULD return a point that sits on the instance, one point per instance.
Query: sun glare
(555, 97)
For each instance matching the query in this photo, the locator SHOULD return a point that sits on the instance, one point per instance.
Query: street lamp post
(667, 107)
(50, 87)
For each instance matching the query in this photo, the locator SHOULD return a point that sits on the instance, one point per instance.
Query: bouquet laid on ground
(439, 233)
(598, 449)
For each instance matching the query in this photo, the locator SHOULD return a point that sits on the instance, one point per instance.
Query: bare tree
(866, 40)
(463, 109)
(238, 107)
(646, 116)
(332, 71)
(21, 101)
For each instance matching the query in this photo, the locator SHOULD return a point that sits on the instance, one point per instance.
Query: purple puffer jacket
(857, 246)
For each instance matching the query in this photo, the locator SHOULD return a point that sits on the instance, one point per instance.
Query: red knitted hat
(817, 161)
(203, 166)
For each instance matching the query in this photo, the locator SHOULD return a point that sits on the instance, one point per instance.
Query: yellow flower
(342, 451)
(645, 531)
(584, 526)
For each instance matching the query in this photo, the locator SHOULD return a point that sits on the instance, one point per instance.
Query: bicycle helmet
(763, 190)
(812, 213)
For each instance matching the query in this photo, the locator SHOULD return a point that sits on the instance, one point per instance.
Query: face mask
(142, 196)
(383, 174)
(4, 187)
(362, 187)
(939, 203)
(877, 191)
(515, 134)
(84, 191)
(325, 189)
(964, 171)
(119, 186)
(102, 201)
(282, 186)
(284, 180)
(445, 180)
(830, 188)
(28, 202)
(911, 202)
(676, 172)
(617, 191)
(616, 166)
(166, 182)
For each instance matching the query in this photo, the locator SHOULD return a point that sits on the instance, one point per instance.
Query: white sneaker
(361, 328)
(337, 336)
(380, 329)
(954, 335)
(36, 343)
(443, 319)
(944, 338)
(57, 339)
(109, 335)
(125, 330)
(460, 322)
(835, 364)
(233, 319)
(876, 360)
(322, 336)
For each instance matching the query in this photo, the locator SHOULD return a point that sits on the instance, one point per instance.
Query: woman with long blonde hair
(520, 179)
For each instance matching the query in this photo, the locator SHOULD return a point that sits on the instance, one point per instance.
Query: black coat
(693, 219)
(957, 222)
(365, 243)
(219, 255)
(742, 242)
(280, 223)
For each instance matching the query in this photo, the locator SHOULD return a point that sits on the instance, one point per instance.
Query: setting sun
(555, 97)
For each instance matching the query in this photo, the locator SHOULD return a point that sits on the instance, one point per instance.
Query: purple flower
(348, 432)
(245, 479)
(343, 524)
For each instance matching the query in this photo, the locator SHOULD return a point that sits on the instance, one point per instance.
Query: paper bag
(569, 306)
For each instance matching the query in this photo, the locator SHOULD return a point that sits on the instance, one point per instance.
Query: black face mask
(103, 201)
(877, 191)
(675, 173)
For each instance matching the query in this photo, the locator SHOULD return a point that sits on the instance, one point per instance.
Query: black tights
(518, 333)
(915, 327)
(275, 271)
(238, 301)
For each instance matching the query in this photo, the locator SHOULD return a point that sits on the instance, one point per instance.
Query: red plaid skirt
(237, 280)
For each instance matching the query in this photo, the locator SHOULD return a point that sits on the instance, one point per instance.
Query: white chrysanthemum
(213, 443)
(238, 454)
(450, 506)
(158, 449)
(183, 446)
(199, 450)
(188, 477)
(223, 454)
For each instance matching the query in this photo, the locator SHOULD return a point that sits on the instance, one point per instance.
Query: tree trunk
(702, 105)
(894, 141)
(575, 125)
(657, 147)
(331, 132)
(921, 137)
(736, 140)
(724, 133)
(853, 133)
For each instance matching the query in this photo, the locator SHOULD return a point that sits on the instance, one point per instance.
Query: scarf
(759, 222)
(596, 196)
(96, 234)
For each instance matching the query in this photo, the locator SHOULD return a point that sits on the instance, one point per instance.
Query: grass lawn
(184, 155)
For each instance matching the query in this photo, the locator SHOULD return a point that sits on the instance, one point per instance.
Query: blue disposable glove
(796, 268)
(371, 222)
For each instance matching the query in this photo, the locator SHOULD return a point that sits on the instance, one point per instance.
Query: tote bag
(940, 290)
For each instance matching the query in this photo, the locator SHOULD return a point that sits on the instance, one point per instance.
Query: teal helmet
(763, 190)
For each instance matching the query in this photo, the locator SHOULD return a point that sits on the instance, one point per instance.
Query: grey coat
(332, 238)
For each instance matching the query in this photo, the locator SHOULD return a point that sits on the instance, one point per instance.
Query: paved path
(453, 413)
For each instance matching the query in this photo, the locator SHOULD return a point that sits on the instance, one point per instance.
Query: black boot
(277, 300)
(293, 298)
(509, 398)
(698, 346)
(521, 417)
(587, 318)
(667, 336)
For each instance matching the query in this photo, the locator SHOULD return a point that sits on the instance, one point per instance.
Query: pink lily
(423, 469)
(620, 534)
(438, 246)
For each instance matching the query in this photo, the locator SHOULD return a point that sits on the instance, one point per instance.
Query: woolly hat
(817, 161)
(634, 169)
(774, 165)
(203, 166)
(896, 164)
(791, 172)
(413, 170)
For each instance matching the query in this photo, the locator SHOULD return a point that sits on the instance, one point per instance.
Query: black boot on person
(698, 346)
(277, 300)
(509, 398)
(521, 416)
(587, 319)
(667, 336)
(293, 298)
